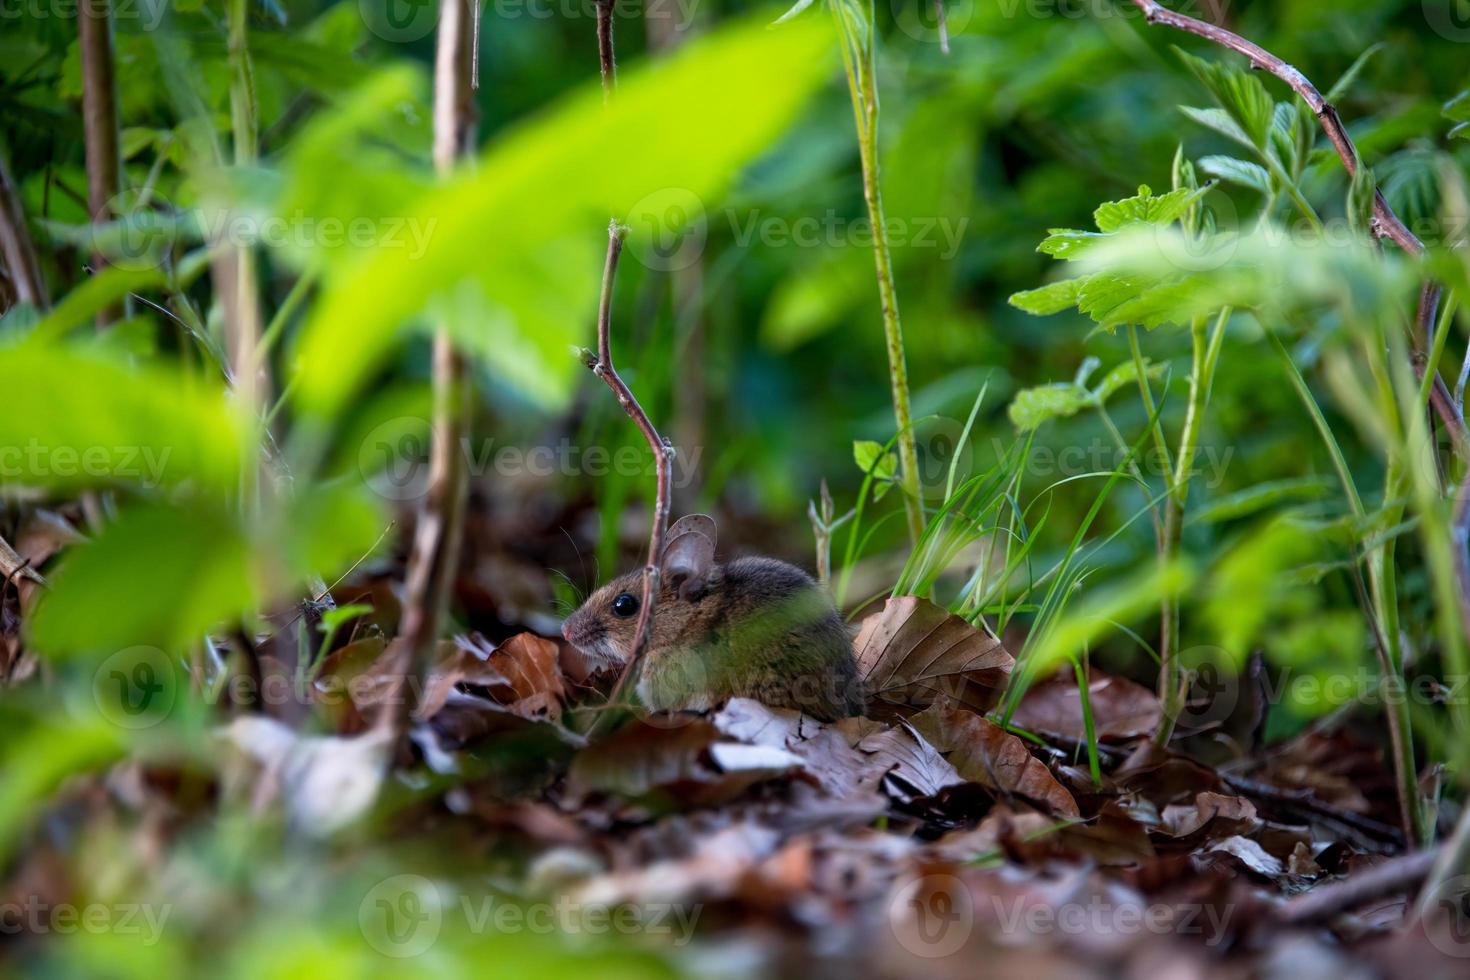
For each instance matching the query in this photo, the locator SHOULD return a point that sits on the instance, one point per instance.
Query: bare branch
(1386, 224)
(663, 453)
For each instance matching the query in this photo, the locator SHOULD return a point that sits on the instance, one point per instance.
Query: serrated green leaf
(1065, 243)
(1144, 208)
(1242, 173)
(1033, 406)
(1219, 121)
(1239, 93)
(1049, 299)
(1126, 373)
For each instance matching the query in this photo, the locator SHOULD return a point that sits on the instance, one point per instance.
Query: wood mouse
(752, 627)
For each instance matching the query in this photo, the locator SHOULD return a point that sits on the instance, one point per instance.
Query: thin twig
(1396, 874)
(16, 248)
(602, 366)
(436, 544)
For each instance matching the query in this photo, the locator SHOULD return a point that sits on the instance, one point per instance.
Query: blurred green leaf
(159, 575)
(544, 183)
(76, 418)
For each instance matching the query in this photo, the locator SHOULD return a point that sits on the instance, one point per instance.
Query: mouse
(753, 627)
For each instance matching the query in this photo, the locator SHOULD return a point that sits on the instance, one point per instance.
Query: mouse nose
(566, 630)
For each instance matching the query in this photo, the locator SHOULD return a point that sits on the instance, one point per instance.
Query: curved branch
(1386, 224)
(663, 452)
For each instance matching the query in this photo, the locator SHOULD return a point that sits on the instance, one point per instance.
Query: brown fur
(753, 627)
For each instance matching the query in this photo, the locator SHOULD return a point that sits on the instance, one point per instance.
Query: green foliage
(523, 214)
(1034, 406)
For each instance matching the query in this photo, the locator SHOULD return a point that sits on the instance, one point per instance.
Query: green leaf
(505, 227)
(1033, 406)
(1242, 173)
(871, 458)
(1254, 499)
(1144, 208)
(1239, 93)
(1219, 120)
(76, 418)
(159, 575)
(1064, 243)
(1049, 299)
(1458, 108)
(1340, 87)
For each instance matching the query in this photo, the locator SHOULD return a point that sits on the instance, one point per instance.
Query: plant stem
(1381, 607)
(436, 544)
(858, 61)
(16, 247)
(99, 118)
(1205, 350)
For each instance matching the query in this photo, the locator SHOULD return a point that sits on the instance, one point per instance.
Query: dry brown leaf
(521, 674)
(1211, 817)
(987, 754)
(1121, 709)
(913, 651)
(693, 764)
(825, 755)
(905, 765)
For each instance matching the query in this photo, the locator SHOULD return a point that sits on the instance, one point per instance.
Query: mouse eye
(625, 605)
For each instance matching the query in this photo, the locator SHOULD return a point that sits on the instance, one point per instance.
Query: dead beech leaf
(905, 765)
(825, 755)
(691, 764)
(522, 674)
(985, 753)
(1211, 817)
(1121, 709)
(913, 651)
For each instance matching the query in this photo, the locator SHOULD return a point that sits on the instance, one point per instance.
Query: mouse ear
(702, 523)
(686, 562)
